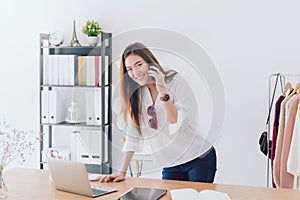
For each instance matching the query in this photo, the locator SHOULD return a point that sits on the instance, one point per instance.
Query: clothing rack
(283, 79)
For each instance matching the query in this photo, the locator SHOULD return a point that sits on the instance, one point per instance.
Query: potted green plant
(92, 29)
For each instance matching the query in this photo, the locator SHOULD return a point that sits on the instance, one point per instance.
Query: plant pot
(92, 40)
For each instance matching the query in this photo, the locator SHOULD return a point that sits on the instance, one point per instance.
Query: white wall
(247, 40)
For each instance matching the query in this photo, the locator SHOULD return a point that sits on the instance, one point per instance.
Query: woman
(160, 110)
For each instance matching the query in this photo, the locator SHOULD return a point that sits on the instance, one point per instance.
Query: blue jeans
(201, 169)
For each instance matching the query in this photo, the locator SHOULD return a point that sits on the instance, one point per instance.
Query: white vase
(3, 189)
(92, 40)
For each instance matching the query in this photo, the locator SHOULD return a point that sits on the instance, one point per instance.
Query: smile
(140, 77)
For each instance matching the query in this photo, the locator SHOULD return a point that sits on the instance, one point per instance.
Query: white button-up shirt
(170, 144)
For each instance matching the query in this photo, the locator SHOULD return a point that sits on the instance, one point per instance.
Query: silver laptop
(72, 177)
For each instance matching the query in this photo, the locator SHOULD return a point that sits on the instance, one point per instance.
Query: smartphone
(150, 69)
(139, 193)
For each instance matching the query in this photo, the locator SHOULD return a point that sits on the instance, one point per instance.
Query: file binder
(82, 145)
(45, 106)
(55, 108)
(95, 147)
(89, 108)
(63, 72)
(90, 70)
(55, 68)
(97, 107)
(80, 71)
(50, 69)
(97, 70)
(87, 146)
(76, 70)
(84, 70)
(45, 70)
(71, 68)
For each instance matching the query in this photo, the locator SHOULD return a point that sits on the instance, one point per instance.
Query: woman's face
(137, 69)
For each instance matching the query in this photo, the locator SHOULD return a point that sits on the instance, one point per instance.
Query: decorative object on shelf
(73, 113)
(56, 39)
(92, 29)
(74, 42)
(15, 144)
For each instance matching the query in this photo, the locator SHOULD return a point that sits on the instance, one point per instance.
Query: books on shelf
(189, 193)
(72, 70)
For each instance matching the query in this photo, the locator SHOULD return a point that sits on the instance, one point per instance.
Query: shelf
(74, 86)
(82, 51)
(104, 53)
(82, 124)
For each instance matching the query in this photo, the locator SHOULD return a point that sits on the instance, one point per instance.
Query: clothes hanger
(288, 87)
(296, 89)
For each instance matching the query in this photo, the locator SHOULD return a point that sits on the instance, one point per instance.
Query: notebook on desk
(72, 177)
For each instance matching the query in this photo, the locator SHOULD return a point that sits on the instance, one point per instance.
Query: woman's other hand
(120, 176)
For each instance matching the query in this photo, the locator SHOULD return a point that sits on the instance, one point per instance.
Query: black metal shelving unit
(103, 50)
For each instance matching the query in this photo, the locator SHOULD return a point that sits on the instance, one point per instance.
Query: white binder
(95, 147)
(83, 143)
(56, 114)
(71, 66)
(89, 108)
(45, 70)
(45, 106)
(97, 107)
(90, 70)
(63, 72)
(87, 146)
(55, 68)
(50, 69)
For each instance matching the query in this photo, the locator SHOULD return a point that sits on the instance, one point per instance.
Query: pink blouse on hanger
(278, 150)
(287, 179)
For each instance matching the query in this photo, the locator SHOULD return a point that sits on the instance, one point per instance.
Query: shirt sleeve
(132, 139)
(185, 102)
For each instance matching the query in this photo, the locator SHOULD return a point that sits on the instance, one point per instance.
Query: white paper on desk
(189, 193)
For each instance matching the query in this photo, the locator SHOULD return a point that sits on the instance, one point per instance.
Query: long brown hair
(130, 91)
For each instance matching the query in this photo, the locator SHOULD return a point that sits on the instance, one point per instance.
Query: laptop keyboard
(98, 190)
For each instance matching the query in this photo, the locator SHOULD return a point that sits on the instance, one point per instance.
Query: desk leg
(130, 170)
(140, 168)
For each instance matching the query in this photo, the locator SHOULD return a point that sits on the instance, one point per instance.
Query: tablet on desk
(139, 193)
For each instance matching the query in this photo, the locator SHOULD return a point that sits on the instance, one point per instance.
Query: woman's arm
(171, 110)
(119, 176)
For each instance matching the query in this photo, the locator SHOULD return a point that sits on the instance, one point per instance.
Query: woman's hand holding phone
(159, 77)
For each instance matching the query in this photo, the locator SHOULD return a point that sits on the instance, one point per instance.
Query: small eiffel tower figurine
(74, 42)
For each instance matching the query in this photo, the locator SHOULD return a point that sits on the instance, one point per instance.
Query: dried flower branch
(14, 144)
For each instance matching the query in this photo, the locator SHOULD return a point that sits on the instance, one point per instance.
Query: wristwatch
(166, 97)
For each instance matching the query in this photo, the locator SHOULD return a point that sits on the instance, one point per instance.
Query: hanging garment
(278, 150)
(274, 133)
(264, 141)
(286, 179)
(293, 162)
